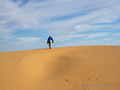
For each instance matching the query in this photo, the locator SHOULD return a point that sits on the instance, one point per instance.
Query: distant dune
(65, 68)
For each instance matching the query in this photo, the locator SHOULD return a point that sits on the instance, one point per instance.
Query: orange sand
(67, 68)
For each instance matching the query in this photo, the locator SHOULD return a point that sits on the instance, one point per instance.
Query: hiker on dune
(50, 41)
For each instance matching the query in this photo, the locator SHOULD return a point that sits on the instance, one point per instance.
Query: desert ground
(64, 68)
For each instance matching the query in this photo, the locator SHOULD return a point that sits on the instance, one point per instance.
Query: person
(50, 41)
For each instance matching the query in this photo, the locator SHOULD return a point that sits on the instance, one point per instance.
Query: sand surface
(67, 68)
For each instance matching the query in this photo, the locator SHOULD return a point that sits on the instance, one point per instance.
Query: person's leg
(50, 44)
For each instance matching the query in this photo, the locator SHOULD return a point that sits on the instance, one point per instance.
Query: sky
(26, 24)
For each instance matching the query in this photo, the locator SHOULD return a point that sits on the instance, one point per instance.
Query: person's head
(50, 35)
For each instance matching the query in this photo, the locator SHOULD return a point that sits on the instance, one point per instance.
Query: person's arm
(52, 40)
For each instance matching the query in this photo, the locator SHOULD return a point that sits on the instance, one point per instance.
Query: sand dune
(67, 68)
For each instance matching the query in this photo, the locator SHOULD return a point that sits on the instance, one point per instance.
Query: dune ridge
(65, 68)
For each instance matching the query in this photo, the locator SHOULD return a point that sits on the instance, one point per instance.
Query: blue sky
(26, 24)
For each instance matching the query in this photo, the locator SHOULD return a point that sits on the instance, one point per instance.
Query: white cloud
(28, 39)
(82, 36)
(6, 38)
(47, 14)
(67, 37)
(87, 42)
(88, 27)
(117, 34)
(115, 42)
(107, 39)
(96, 35)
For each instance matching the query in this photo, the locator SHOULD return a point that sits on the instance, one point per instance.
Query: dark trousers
(50, 44)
